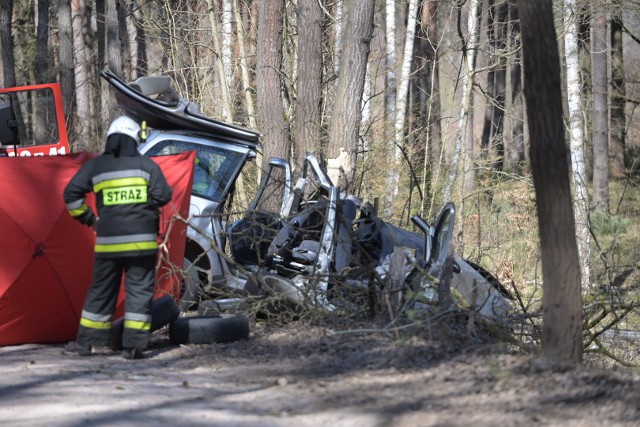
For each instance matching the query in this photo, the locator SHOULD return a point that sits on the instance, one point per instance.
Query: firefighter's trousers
(100, 303)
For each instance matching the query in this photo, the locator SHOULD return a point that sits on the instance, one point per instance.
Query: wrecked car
(306, 242)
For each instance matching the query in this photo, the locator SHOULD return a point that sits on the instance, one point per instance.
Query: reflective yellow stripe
(123, 247)
(77, 212)
(119, 182)
(136, 324)
(93, 324)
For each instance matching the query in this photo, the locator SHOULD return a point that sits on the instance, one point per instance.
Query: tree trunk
(125, 51)
(576, 139)
(308, 120)
(390, 96)
(114, 59)
(6, 43)
(600, 111)
(83, 84)
(402, 95)
(618, 92)
(43, 68)
(561, 302)
(227, 112)
(492, 141)
(347, 112)
(246, 80)
(583, 15)
(65, 53)
(227, 42)
(43, 65)
(271, 114)
(339, 35)
(514, 122)
(469, 55)
(131, 40)
(429, 92)
(142, 66)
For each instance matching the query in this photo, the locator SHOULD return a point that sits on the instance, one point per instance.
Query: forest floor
(301, 374)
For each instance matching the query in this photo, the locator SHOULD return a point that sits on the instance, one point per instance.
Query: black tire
(208, 330)
(163, 311)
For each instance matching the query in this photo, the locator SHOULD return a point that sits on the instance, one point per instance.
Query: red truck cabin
(32, 121)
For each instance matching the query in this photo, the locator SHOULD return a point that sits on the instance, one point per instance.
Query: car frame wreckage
(314, 246)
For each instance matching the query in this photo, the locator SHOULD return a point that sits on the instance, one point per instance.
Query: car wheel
(208, 330)
(163, 311)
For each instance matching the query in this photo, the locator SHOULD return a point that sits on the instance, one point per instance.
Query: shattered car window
(272, 197)
(214, 169)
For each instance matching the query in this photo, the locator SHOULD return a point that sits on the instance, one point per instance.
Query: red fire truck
(32, 121)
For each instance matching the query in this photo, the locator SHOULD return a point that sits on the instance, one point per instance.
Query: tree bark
(227, 112)
(65, 54)
(113, 59)
(618, 92)
(600, 111)
(82, 80)
(492, 142)
(561, 300)
(142, 68)
(271, 114)
(583, 15)
(402, 95)
(390, 96)
(514, 130)
(227, 42)
(308, 119)
(469, 55)
(576, 139)
(244, 65)
(429, 97)
(43, 65)
(347, 113)
(6, 43)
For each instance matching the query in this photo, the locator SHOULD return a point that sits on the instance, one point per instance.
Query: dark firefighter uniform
(130, 189)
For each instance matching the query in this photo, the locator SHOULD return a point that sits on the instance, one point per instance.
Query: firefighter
(129, 189)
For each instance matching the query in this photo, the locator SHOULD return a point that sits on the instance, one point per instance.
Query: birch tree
(618, 93)
(220, 66)
(600, 110)
(244, 67)
(468, 59)
(576, 138)
(401, 99)
(390, 95)
(429, 97)
(227, 40)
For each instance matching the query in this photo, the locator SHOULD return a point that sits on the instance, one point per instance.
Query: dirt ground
(305, 375)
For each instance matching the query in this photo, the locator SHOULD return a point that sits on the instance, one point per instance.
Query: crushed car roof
(167, 111)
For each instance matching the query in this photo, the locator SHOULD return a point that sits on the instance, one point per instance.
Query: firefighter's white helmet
(126, 126)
